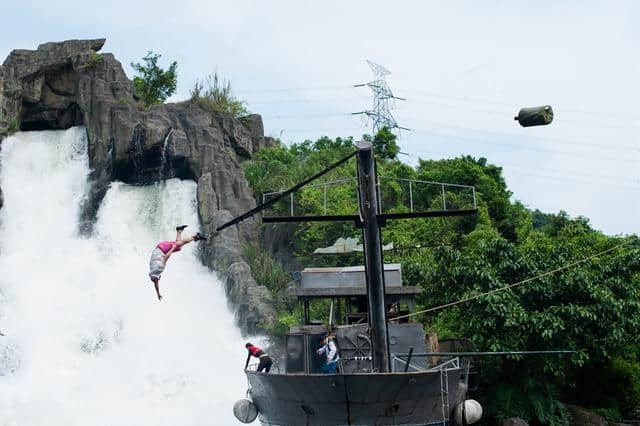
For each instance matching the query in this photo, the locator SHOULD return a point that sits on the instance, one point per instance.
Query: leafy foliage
(13, 125)
(265, 269)
(610, 414)
(93, 61)
(214, 94)
(154, 85)
(269, 273)
(612, 384)
(279, 168)
(533, 401)
(384, 144)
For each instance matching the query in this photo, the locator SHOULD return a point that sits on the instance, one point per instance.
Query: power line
(569, 178)
(553, 271)
(468, 99)
(516, 135)
(524, 147)
(597, 179)
(431, 94)
(506, 111)
(469, 129)
(303, 100)
(292, 89)
(593, 182)
(310, 115)
(502, 112)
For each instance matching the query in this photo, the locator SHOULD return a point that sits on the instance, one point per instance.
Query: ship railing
(254, 367)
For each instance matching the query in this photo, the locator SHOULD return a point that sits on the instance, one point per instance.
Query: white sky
(465, 67)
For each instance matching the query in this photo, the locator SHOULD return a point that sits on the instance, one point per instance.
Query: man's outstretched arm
(156, 284)
(248, 358)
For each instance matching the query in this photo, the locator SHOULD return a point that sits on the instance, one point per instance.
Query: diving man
(163, 252)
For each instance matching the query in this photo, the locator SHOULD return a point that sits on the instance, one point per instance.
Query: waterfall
(163, 159)
(87, 342)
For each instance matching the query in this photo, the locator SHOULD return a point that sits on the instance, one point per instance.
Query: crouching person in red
(265, 361)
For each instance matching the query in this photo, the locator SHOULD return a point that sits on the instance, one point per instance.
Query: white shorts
(156, 265)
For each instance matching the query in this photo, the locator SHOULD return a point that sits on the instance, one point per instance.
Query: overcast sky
(465, 68)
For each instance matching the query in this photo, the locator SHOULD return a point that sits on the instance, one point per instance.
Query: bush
(154, 85)
(13, 125)
(610, 414)
(534, 401)
(269, 272)
(265, 269)
(214, 94)
(612, 386)
(93, 61)
(626, 373)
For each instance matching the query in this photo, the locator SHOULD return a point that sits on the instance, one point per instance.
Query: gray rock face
(514, 421)
(254, 303)
(583, 417)
(65, 84)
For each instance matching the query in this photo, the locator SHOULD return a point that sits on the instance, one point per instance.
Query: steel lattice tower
(383, 100)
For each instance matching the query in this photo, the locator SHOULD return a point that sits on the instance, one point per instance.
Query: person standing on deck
(330, 348)
(163, 252)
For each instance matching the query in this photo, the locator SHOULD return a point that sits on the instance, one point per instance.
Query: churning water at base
(87, 342)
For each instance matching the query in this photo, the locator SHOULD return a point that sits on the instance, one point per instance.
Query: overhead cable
(551, 272)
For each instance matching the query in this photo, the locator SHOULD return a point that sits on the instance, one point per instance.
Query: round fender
(468, 412)
(245, 410)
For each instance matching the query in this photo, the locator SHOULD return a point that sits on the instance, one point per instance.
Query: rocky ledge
(69, 83)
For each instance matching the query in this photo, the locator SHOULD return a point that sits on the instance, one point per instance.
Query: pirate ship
(386, 376)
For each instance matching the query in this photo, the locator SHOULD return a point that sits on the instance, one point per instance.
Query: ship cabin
(345, 288)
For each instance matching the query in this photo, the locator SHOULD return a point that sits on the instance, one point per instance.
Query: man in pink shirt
(163, 252)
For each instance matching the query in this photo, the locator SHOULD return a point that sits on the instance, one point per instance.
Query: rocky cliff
(69, 83)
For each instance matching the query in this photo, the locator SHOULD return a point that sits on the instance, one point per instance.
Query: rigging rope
(294, 188)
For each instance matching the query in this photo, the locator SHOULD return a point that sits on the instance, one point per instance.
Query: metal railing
(443, 187)
(324, 186)
(420, 362)
(253, 366)
(412, 184)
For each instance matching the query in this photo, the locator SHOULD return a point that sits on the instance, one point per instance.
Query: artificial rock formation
(583, 417)
(514, 421)
(69, 83)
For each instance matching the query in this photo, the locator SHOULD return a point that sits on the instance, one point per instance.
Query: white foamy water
(87, 341)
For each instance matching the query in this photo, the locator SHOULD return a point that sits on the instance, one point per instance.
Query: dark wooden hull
(412, 398)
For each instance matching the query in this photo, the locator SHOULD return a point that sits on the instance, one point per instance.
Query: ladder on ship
(444, 395)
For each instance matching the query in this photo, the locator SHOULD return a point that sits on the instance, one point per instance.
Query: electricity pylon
(383, 100)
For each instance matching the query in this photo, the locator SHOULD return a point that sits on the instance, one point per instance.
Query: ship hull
(413, 398)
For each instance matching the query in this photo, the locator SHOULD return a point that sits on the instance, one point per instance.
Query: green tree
(384, 144)
(154, 85)
(592, 308)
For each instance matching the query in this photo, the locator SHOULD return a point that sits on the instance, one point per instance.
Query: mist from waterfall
(87, 342)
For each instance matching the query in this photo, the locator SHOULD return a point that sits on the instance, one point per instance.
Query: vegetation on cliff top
(214, 94)
(592, 308)
(154, 85)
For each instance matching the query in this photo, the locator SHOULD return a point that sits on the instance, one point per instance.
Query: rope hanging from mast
(294, 188)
